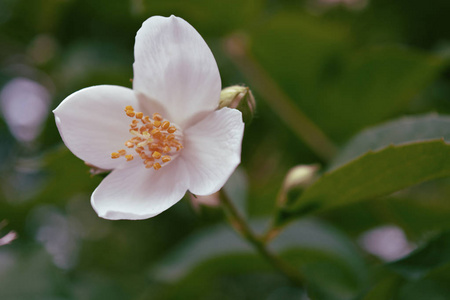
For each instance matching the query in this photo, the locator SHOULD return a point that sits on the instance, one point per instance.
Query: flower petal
(174, 66)
(137, 193)
(93, 124)
(212, 150)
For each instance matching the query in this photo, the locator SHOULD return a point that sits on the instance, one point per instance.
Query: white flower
(164, 136)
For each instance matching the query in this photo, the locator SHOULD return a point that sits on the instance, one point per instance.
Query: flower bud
(241, 98)
(297, 179)
(300, 176)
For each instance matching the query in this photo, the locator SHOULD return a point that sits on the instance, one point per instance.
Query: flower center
(154, 139)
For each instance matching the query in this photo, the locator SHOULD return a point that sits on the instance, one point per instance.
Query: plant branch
(237, 50)
(241, 226)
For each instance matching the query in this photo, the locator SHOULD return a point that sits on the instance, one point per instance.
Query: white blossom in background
(25, 107)
(387, 242)
(164, 136)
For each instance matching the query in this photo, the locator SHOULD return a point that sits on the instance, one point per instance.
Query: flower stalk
(241, 226)
(238, 51)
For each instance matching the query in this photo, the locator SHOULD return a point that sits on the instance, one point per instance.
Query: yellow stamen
(157, 117)
(152, 136)
(165, 125)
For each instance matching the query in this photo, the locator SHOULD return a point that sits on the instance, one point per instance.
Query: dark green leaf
(339, 88)
(424, 289)
(314, 247)
(63, 167)
(404, 130)
(433, 255)
(385, 289)
(375, 174)
(376, 84)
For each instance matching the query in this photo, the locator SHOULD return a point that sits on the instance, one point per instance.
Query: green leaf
(63, 167)
(300, 52)
(424, 289)
(329, 261)
(312, 246)
(376, 84)
(431, 256)
(375, 174)
(385, 289)
(341, 89)
(404, 130)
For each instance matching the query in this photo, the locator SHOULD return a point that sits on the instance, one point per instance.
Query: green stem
(237, 50)
(241, 226)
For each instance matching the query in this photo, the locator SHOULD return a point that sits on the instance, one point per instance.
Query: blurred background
(344, 64)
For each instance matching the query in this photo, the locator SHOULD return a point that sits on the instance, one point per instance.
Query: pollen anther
(165, 125)
(156, 155)
(157, 117)
(152, 136)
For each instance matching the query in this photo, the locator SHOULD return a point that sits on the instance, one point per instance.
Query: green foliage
(355, 72)
(404, 130)
(375, 174)
(376, 84)
(435, 254)
(310, 245)
(338, 84)
(384, 290)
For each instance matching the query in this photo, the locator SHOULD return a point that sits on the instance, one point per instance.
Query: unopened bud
(300, 176)
(240, 98)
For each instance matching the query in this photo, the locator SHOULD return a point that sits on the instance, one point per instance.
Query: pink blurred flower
(25, 107)
(8, 238)
(164, 136)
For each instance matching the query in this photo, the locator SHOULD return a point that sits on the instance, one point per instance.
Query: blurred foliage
(373, 75)
(375, 174)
